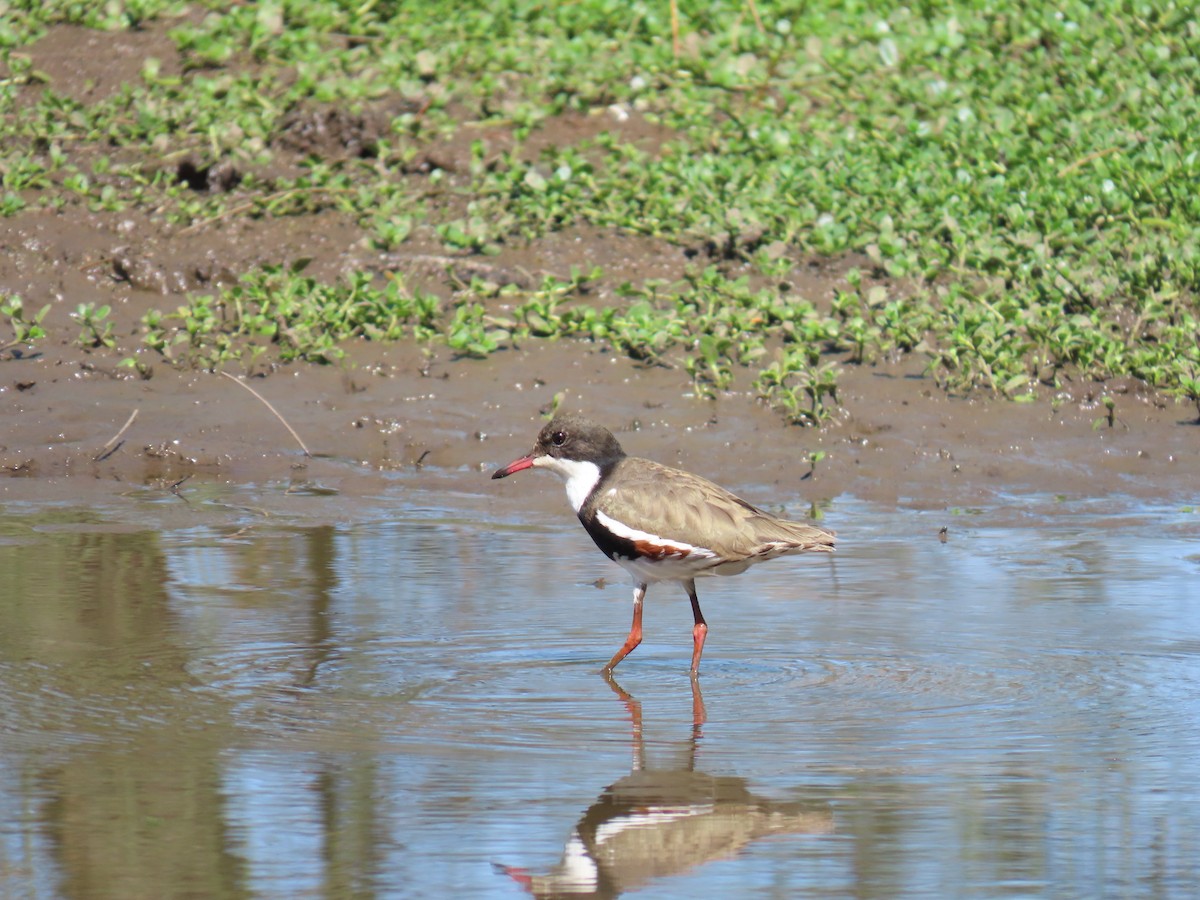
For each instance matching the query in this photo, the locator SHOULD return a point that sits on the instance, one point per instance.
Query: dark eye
(559, 438)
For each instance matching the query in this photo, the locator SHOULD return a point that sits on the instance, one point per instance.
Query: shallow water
(271, 692)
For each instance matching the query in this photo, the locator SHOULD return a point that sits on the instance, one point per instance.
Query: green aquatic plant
(801, 387)
(25, 328)
(95, 329)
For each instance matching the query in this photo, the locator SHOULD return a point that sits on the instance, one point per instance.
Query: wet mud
(900, 440)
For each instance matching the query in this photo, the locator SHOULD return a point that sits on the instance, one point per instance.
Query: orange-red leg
(700, 629)
(635, 630)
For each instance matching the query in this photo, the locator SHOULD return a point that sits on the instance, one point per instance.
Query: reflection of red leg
(700, 629)
(519, 875)
(699, 714)
(635, 630)
(634, 707)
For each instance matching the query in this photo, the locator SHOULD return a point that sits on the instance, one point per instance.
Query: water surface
(264, 692)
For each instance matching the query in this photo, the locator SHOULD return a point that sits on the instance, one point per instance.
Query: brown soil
(899, 438)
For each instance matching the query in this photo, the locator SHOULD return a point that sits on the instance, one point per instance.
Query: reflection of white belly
(651, 817)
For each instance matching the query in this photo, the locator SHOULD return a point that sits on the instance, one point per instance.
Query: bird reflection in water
(659, 822)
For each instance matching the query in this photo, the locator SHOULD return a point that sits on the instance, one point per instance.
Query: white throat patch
(580, 477)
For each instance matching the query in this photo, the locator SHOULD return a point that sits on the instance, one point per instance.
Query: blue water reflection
(395, 700)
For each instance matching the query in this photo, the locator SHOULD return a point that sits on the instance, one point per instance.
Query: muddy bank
(899, 440)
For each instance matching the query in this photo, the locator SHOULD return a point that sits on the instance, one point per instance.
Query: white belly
(672, 568)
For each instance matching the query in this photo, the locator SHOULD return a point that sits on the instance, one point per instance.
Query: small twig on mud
(268, 405)
(109, 449)
(1087, 158)
(462, 269)
(266, 201)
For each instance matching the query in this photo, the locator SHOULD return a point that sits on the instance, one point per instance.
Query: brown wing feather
(694, 510)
